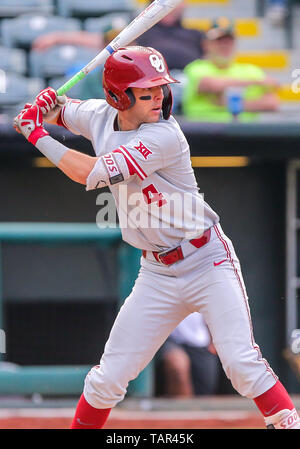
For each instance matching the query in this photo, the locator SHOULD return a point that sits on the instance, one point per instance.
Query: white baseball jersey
(160, 204)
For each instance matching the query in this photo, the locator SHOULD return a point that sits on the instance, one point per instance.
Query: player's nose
(158, 94)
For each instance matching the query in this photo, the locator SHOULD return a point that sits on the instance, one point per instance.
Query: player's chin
(154, 115)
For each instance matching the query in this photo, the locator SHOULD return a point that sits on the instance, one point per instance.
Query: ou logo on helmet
(157, 63)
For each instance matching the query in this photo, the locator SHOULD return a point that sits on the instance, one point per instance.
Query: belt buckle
(177, 251)
(162, 254)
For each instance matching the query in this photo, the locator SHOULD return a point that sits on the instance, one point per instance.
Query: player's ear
(131, 96)
(167, 101)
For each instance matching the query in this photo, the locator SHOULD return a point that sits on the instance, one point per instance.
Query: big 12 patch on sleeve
(143, 150)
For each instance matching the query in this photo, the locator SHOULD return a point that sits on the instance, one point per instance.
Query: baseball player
(188, 264)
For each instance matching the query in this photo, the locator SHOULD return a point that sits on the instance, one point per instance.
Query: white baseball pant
(209, 281)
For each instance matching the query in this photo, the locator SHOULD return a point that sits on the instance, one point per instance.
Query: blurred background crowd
(233, 58)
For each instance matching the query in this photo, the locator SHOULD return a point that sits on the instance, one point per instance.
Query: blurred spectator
(178, 45)
(82, 38)
(91, 85)
(216, 84)
(188, 360)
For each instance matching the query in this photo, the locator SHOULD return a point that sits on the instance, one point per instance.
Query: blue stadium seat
(13, 60)
(20, 90)
(13, 8)
(22, 30)
(108, 21)
(89, 8)
(60, 60)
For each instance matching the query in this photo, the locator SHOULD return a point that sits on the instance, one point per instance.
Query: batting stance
(187, 265)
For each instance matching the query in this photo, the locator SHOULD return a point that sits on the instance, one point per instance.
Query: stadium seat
(268, 60)
(22, 30)
(249, 27)
(102, 24)
(13, 60)
(13, 8)
(20, 90)
(89, 8)
(57, 82)
(287, 94)
(60, 60)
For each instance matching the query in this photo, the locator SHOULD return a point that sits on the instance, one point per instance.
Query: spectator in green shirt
(211, 81)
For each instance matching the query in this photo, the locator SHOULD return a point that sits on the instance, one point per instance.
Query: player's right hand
(30, 123)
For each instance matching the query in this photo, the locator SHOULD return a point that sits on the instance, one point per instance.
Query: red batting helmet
(136, 66)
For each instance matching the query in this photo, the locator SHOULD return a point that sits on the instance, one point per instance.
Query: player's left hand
(30, 123)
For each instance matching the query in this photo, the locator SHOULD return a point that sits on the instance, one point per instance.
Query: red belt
(176, 254)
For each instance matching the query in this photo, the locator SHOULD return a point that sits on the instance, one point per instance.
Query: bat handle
(71, 82)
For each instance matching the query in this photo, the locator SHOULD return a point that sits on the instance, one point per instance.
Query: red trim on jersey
(61, 117)
(229, 256)
(131, 168)
(137, 167)
(60, 121)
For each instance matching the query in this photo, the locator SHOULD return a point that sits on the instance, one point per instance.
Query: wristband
(114, 173)
(51, 148)
(37, 134)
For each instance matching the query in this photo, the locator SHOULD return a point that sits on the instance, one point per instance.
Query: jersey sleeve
(77, 116)
(155, 147)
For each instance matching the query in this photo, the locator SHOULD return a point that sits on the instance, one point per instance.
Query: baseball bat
(145, 20)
